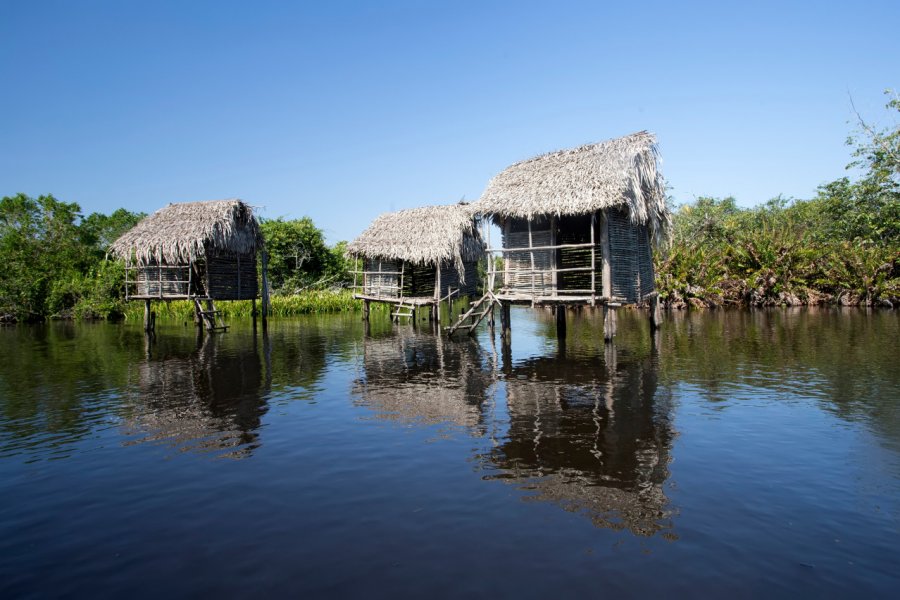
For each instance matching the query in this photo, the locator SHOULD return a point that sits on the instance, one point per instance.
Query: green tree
(298, 254)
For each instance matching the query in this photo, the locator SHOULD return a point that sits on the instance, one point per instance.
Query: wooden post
(265, 291)
(366, 311)
(531, 254)
(593, 262)
(606, 273)
(561, 321)
(505, 327)
(147, 316)
(655, 314)
(609, 322)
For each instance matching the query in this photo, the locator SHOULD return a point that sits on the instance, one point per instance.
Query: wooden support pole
(505, 327)
(265, 291)
(605, 266)
(655, 313)
(609, 323)
(147, 316)
(366, 311)
(561, 321)
(593, 261)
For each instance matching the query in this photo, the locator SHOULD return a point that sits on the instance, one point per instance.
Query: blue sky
(344, 110)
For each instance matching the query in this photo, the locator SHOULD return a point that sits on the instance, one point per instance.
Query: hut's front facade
(192, 251)
(418, 257)
(577, 225)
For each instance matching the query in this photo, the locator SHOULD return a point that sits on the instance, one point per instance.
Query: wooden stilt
(561, 321)
(147, 316)
(609, 323)
(655, 313)
(265, 291)
(366, 311)
(505, 328)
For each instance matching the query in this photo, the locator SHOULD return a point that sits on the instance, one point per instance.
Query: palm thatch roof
(425, 235)
(180, 233)
(617, 173)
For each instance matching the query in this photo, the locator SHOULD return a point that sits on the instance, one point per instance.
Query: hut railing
(158, 281)
(522, 276)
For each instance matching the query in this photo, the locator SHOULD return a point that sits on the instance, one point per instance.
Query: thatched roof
(617, 173)
(179, 233)
(422, 235)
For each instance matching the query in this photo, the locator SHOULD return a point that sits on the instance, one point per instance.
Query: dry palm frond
(180, 233)
(617, 173)
(427, 235)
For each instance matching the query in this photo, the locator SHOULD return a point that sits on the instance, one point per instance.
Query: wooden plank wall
(519, 275)
(222, 276)
(632, 265)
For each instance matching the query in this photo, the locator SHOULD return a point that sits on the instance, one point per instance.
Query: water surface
(746, 453)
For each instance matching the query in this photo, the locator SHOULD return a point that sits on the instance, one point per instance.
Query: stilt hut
(577, 225)
(418, 257)
(200, 251)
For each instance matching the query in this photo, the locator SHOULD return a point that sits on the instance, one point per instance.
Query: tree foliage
(841, 246)
(299, 257)
(52, 258)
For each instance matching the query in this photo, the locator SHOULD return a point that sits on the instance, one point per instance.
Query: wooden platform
(404, 301)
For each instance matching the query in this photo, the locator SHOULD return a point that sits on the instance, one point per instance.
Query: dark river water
(739, 453)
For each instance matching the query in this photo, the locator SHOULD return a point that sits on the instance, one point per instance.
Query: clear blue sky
(344, 110)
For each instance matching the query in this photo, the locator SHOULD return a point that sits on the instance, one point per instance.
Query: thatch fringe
(425, 235)
(180, 233)
(617, 173)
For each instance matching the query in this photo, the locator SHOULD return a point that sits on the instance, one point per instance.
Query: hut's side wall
(450, 279)
(418, 280)
(576, 229)
(631, 264)
(381, 278)
(231, 276)
(154, 281)
(519, 275)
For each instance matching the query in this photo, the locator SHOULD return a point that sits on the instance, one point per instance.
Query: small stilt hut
(577, 227)
(417, 257)
(200, 251)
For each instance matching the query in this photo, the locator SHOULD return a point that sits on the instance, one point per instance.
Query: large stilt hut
(198, 251)
(577, 227)
(417, 258)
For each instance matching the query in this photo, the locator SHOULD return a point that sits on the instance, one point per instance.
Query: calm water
(745, 453)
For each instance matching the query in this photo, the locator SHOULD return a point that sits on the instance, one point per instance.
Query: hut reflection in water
(209, 398)
(413, 377)
(591, 434)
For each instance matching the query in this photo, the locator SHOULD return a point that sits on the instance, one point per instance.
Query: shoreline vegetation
(840, 248)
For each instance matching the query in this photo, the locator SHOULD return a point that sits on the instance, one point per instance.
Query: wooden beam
(606, 273)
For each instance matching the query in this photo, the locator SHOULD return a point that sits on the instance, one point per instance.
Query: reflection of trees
(56, 381)
(210, 398)
(423, 378)
(590, 435)
(846, 359)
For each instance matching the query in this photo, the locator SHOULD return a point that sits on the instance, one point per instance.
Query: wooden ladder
(212, 318)
(470, 320)
(403, 311)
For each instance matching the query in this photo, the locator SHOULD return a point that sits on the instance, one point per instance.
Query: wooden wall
(231, 276)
